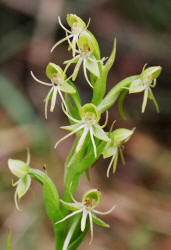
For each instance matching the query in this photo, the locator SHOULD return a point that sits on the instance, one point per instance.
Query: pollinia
(72, 219)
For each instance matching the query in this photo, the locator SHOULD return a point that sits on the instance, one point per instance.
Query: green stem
(114, 93)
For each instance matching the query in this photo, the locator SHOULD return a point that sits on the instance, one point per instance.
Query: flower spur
(90, 117)
(87, 207)
(77, 26)
(58, 84)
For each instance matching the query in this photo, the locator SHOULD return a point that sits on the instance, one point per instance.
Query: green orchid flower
(20, 169)
(90, 117)
(145, 82)
(114, 147)
(77, 26)
(86, 56)
(87, 207)
(59, 83)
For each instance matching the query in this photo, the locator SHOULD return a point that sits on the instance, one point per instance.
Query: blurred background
(141, 188)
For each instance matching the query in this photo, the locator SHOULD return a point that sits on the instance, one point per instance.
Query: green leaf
(51, 199)
(99, 133)
(99, 222)
(100, 84)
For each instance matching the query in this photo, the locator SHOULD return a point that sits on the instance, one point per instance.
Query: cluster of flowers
(85, 51)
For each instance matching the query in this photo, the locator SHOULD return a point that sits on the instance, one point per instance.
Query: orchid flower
(87, 207)
(114, 147)
(58, 84)
(20, 169)
(88, 124)
(77, 26)
(145, 82)
(86, 57)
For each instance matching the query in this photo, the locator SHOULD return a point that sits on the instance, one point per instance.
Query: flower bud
(18, 168)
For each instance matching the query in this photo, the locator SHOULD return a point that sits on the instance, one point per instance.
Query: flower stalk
(93, 139)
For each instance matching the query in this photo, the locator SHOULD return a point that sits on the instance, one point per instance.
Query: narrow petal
(82, 139)
(53, 101)
(59, 42)
(91, 227)
(99, 222)
(69, 234)
(151, 96)
(74, 41)
(63, 27)
(71, 206)
(122, 156)
(68, 216)
(110, 165)
(83, 219)
(73, 60)
(106, 120)
(76, 70)
(16, 201)
(39, 81)
(115, 162)
(63, 100)
(144, 100)
(104, 213)
(71, 127)
(70, 117)
(93, 142)
(68, 135)
(85, 73)
(47, 101)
